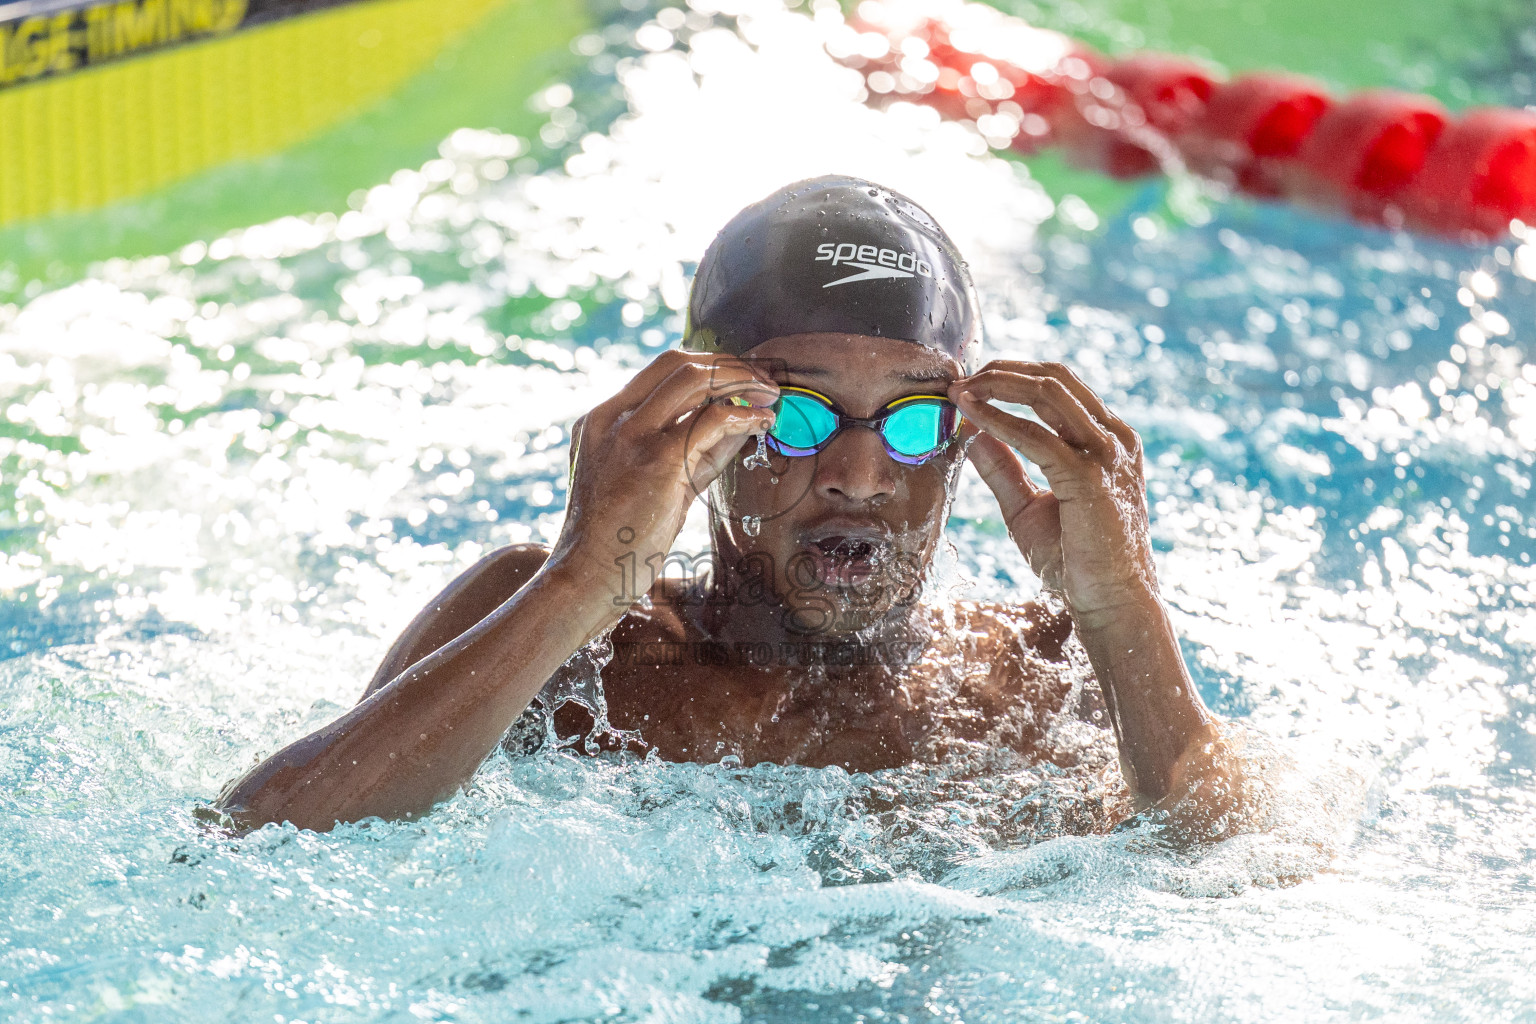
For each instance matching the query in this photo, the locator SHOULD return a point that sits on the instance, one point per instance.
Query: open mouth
(851, 558)
(849, 549)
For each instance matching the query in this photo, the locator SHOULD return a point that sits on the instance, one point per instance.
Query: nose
(855, 468)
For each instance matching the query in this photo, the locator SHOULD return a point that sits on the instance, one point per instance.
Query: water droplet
(759, 457)
(750, 525)
(773, 479)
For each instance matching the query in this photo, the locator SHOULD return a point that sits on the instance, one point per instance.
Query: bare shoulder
(515, 563)
(480, 589)
(494, 578)
(1027, 629)
(470, 597)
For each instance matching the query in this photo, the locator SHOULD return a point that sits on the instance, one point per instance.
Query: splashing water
(229, 476)
(759, 457)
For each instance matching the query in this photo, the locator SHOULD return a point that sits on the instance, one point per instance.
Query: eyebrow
(933, 376)
(937, 375)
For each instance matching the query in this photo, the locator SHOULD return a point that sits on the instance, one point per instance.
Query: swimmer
(824, 399)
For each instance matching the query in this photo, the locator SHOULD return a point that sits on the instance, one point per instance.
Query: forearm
(417, 740)
(1158, 717)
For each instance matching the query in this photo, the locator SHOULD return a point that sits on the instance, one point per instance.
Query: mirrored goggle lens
(803, 423)
(919, 428)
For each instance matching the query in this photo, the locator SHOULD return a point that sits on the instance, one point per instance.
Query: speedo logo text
(873, 262)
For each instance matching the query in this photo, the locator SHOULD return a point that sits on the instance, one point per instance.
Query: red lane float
(1361, 154)
(1380, 157)
(1120, 123)
(1251, 128)
(1481, 174)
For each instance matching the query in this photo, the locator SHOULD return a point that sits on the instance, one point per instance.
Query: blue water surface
(230, 475)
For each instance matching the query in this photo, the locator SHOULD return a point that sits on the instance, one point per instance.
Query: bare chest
(690, 699)
(861, 720)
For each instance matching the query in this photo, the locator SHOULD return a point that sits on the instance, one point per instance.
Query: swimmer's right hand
(640, 458)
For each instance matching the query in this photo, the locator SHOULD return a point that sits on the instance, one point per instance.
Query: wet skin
(845, 543)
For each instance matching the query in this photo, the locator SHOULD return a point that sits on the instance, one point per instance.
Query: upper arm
(474, 594)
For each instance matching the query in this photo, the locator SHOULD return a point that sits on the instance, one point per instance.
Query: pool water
(232, 473)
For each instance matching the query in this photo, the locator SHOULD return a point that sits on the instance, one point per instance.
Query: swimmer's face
(849, 532)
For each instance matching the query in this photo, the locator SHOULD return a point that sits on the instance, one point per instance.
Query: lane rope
(1381, 157)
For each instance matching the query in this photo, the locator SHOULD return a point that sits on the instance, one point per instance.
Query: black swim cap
(833, 255)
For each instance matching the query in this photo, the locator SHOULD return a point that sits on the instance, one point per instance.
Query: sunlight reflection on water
(232, 473)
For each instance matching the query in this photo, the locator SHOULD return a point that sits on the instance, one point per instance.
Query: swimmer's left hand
(1087, 536)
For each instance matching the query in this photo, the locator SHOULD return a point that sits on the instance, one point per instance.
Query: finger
(1030, 512)
(1002, 471)
(1090, 401)
(1050, 400)
(1038, 445)
(730, 371)
(664, 365)
(638, 388)
(715, 436)
(652, 374)
(693, 385)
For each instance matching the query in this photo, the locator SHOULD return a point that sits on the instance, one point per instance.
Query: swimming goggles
(913, 429)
